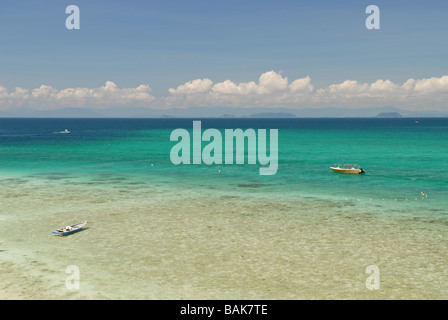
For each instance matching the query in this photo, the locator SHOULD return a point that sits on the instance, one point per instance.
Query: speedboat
(64, 131)
(347, 168)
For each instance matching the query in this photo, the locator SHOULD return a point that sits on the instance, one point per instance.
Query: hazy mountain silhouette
(215, 112)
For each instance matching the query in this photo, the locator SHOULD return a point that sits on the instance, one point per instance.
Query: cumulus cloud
(192, 87)
(271, 89)
(268, 83)
(229, 88)
(271, 82)
(412, 94)
(431, 85)
(17, 97)
(47, 97)
(301, 85)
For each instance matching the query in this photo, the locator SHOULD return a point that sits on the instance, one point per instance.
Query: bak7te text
(260, 309)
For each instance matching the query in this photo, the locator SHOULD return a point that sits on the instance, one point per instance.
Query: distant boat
(65, 131)
(347, 168)
(69, 229)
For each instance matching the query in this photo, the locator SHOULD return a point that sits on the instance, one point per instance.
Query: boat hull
(342, 170)
(74, 228)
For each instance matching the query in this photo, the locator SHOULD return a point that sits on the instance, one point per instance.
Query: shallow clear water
(160, 231)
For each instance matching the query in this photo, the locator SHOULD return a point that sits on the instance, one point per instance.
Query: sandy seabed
(153, 243)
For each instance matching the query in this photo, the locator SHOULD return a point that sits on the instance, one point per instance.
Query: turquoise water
(401, 158)
(117, 174)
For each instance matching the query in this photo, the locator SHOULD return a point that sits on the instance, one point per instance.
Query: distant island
(389, 115)
(219, 112)
(226, 116)
(272, 115)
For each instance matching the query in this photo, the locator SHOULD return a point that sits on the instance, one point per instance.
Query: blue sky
(165, 44)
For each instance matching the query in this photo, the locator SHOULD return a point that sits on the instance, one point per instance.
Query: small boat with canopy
(347, 168)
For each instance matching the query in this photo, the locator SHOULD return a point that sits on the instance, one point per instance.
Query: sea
(157, 231)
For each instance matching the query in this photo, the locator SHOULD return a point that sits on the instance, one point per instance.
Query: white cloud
(432, 85)
(301, 85)
(47, 97)
(271, 90)
(192, 87)
(229, 88)
(18, 97)
(44, 92)
(382, 86)
(271, 82)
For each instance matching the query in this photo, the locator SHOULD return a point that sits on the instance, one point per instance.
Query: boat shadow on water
(1, 242)
(71, 233)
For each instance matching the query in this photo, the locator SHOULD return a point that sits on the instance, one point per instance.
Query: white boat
(347, 168)
(64, 131)
(69, 229)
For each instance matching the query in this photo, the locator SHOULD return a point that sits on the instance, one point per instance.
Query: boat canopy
(346, 166)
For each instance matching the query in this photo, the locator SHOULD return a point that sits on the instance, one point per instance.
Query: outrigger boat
(69, 229)
(347, 168)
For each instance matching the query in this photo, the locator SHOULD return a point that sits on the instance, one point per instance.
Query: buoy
(422, 193)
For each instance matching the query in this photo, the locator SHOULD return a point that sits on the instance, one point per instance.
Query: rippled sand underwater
(161, 241)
